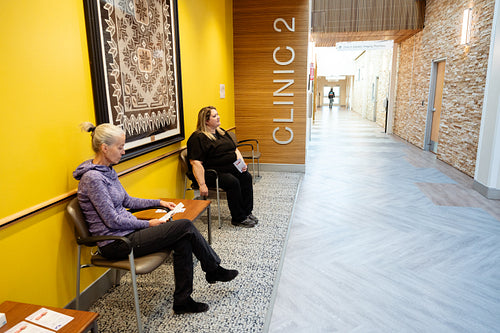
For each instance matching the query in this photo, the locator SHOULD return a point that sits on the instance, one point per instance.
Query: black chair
(253, 153)
(189, 177)
(142, 265)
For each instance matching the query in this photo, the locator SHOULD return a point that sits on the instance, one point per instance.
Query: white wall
(487, 172)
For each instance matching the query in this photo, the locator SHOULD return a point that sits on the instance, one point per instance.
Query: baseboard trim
(93, 292)
(488, 192)
(273, 167)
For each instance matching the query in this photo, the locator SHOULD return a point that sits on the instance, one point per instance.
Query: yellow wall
(45, 88)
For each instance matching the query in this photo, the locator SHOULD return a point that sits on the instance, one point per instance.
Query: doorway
(434, 106)
(336, 91)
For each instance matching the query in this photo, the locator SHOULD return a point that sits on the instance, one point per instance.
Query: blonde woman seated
(104, 204)
(210, 147)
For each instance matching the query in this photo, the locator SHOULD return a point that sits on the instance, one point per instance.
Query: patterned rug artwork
(237, 306)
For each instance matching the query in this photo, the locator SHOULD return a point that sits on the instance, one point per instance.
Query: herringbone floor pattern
(385, 238)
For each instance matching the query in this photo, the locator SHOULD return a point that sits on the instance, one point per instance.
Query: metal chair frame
(194, 186)
(142, 265)
(253, 154)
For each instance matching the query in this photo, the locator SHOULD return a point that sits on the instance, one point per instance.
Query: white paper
(163, 210)
(177, 209)
(50, 319)
(25, 327)
(239, 164)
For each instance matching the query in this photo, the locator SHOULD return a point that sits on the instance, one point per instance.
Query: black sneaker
(246, 223)
(253, 218)
(221, 274)
(190, 306)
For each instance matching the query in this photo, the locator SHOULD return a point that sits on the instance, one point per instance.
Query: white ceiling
(335, 63)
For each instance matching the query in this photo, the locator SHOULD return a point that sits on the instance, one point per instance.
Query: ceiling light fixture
(466, 26)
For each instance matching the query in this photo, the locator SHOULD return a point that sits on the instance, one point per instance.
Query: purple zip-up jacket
(104, 202)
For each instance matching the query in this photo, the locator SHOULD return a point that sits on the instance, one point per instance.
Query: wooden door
(436, 110)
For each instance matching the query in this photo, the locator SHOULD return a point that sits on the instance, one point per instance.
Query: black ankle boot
(190, 306)
(221, 274)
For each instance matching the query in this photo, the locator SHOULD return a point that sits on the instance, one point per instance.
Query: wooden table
(194, 209)
(17, 312)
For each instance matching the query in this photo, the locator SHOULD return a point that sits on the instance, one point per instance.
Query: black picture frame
(135, 68)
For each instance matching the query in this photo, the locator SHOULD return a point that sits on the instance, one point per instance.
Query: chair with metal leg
(249, 151)
(142, 265)
(189, 177)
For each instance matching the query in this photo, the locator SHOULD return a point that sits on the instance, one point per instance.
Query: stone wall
(464, 80)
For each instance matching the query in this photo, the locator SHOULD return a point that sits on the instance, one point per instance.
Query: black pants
(239, 190)
(183, 238)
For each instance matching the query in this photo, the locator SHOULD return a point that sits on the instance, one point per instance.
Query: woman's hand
(163, 203)
(204, 190)
(155, 222)
(167, 204)
(240, 157)
(199, 174)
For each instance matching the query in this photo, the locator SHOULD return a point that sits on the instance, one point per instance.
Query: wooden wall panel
(256, 60)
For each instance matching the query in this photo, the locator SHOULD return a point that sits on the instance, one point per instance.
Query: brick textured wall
(464, 80)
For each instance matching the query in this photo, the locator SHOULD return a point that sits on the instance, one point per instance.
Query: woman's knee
(184, 224)
(176, 227)
(247, 177)
(229, 182)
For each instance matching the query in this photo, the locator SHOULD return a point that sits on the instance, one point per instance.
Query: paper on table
(26, 327)
(163, 211)
(179, 208)
(50, 319)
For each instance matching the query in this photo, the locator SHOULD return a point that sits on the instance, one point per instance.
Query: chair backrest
(76, 216)
(185, 167)
(233, 136)
(184, 161)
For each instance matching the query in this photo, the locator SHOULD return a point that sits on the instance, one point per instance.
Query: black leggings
(239, 190)
(183, 238)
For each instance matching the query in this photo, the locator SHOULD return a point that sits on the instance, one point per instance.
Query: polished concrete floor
(386, 238)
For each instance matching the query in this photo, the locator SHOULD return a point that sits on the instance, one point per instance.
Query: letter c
(283, 142)
(284, 63)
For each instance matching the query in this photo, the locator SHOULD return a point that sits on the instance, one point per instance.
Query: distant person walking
(331, 96)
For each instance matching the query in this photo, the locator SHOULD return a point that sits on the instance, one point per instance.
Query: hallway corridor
(386, 238)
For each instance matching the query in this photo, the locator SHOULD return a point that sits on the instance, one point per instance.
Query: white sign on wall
(365, 45)
(280, 23)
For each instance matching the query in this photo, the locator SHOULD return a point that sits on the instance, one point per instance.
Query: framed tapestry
(135, 65)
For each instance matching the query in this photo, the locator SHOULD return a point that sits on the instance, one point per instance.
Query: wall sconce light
(466, 26)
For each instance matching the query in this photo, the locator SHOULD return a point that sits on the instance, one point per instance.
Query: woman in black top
(210, 147)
